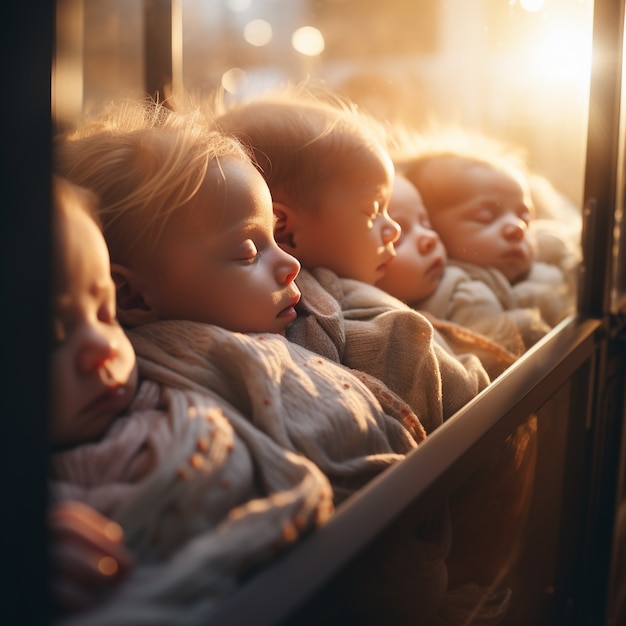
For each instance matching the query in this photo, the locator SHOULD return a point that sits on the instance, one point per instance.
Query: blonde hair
(144, 162)
(300, 136)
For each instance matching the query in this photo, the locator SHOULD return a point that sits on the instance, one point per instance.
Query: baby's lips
(295, 298)
(115, 374)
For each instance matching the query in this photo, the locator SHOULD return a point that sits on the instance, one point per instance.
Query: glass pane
(619, 248)
(501, 547)
(98, 55)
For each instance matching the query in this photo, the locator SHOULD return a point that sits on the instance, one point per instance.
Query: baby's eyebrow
(102, 287)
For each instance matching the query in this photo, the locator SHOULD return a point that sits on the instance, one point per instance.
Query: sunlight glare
(563, 55)
(532, 5)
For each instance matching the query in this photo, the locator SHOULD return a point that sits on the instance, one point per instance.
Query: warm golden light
(308, 40)
(532, 5)
(258, 32)
(563, 55)
(113, 532)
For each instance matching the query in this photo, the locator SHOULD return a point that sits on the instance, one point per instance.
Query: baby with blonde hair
(187, 219)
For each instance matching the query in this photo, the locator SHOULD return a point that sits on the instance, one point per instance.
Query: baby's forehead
(449, 177)
(451, 166)
(368, 158)
(405, 192)
(81, 256)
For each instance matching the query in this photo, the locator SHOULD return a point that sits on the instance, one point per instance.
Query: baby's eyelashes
(248, 252)
(484, 215)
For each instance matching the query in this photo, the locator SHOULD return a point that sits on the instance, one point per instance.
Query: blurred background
(515, 70)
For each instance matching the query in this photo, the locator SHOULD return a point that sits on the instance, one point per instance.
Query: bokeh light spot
(308, 40)
(107, 566)
(258, 32)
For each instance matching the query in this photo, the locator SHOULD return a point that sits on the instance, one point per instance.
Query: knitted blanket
(366, 329)
(210, 473)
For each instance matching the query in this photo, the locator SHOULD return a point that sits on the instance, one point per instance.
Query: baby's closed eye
(247, 252)
(484, 214)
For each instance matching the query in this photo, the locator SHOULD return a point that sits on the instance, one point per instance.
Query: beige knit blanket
(349, 424)
(366, 329)
(211, 471)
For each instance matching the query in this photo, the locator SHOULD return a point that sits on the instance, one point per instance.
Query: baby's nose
(391, 230)
(515, 230)
(427, 242)
(96, 350)
(289, 268)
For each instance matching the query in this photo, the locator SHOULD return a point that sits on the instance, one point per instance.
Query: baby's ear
(284, 226)
(132, 308)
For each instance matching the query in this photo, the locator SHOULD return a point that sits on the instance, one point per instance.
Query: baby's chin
(425, 293)
(517, 275)
(515, 271)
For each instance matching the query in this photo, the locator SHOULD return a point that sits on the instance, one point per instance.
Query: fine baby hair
(186, 216)
(145, 163)
(288, 129)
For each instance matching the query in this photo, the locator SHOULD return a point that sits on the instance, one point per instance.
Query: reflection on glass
(619, 242)
(512, 72)
(489, 551)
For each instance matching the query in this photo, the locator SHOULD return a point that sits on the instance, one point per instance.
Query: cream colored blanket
(366, 329)
(513, 316)
(350, 425)
(210, 472)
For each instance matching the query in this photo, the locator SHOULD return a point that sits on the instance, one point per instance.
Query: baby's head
(93, 374)
(420, 260)
(480, 207)
(330, 178)
(188, 220)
